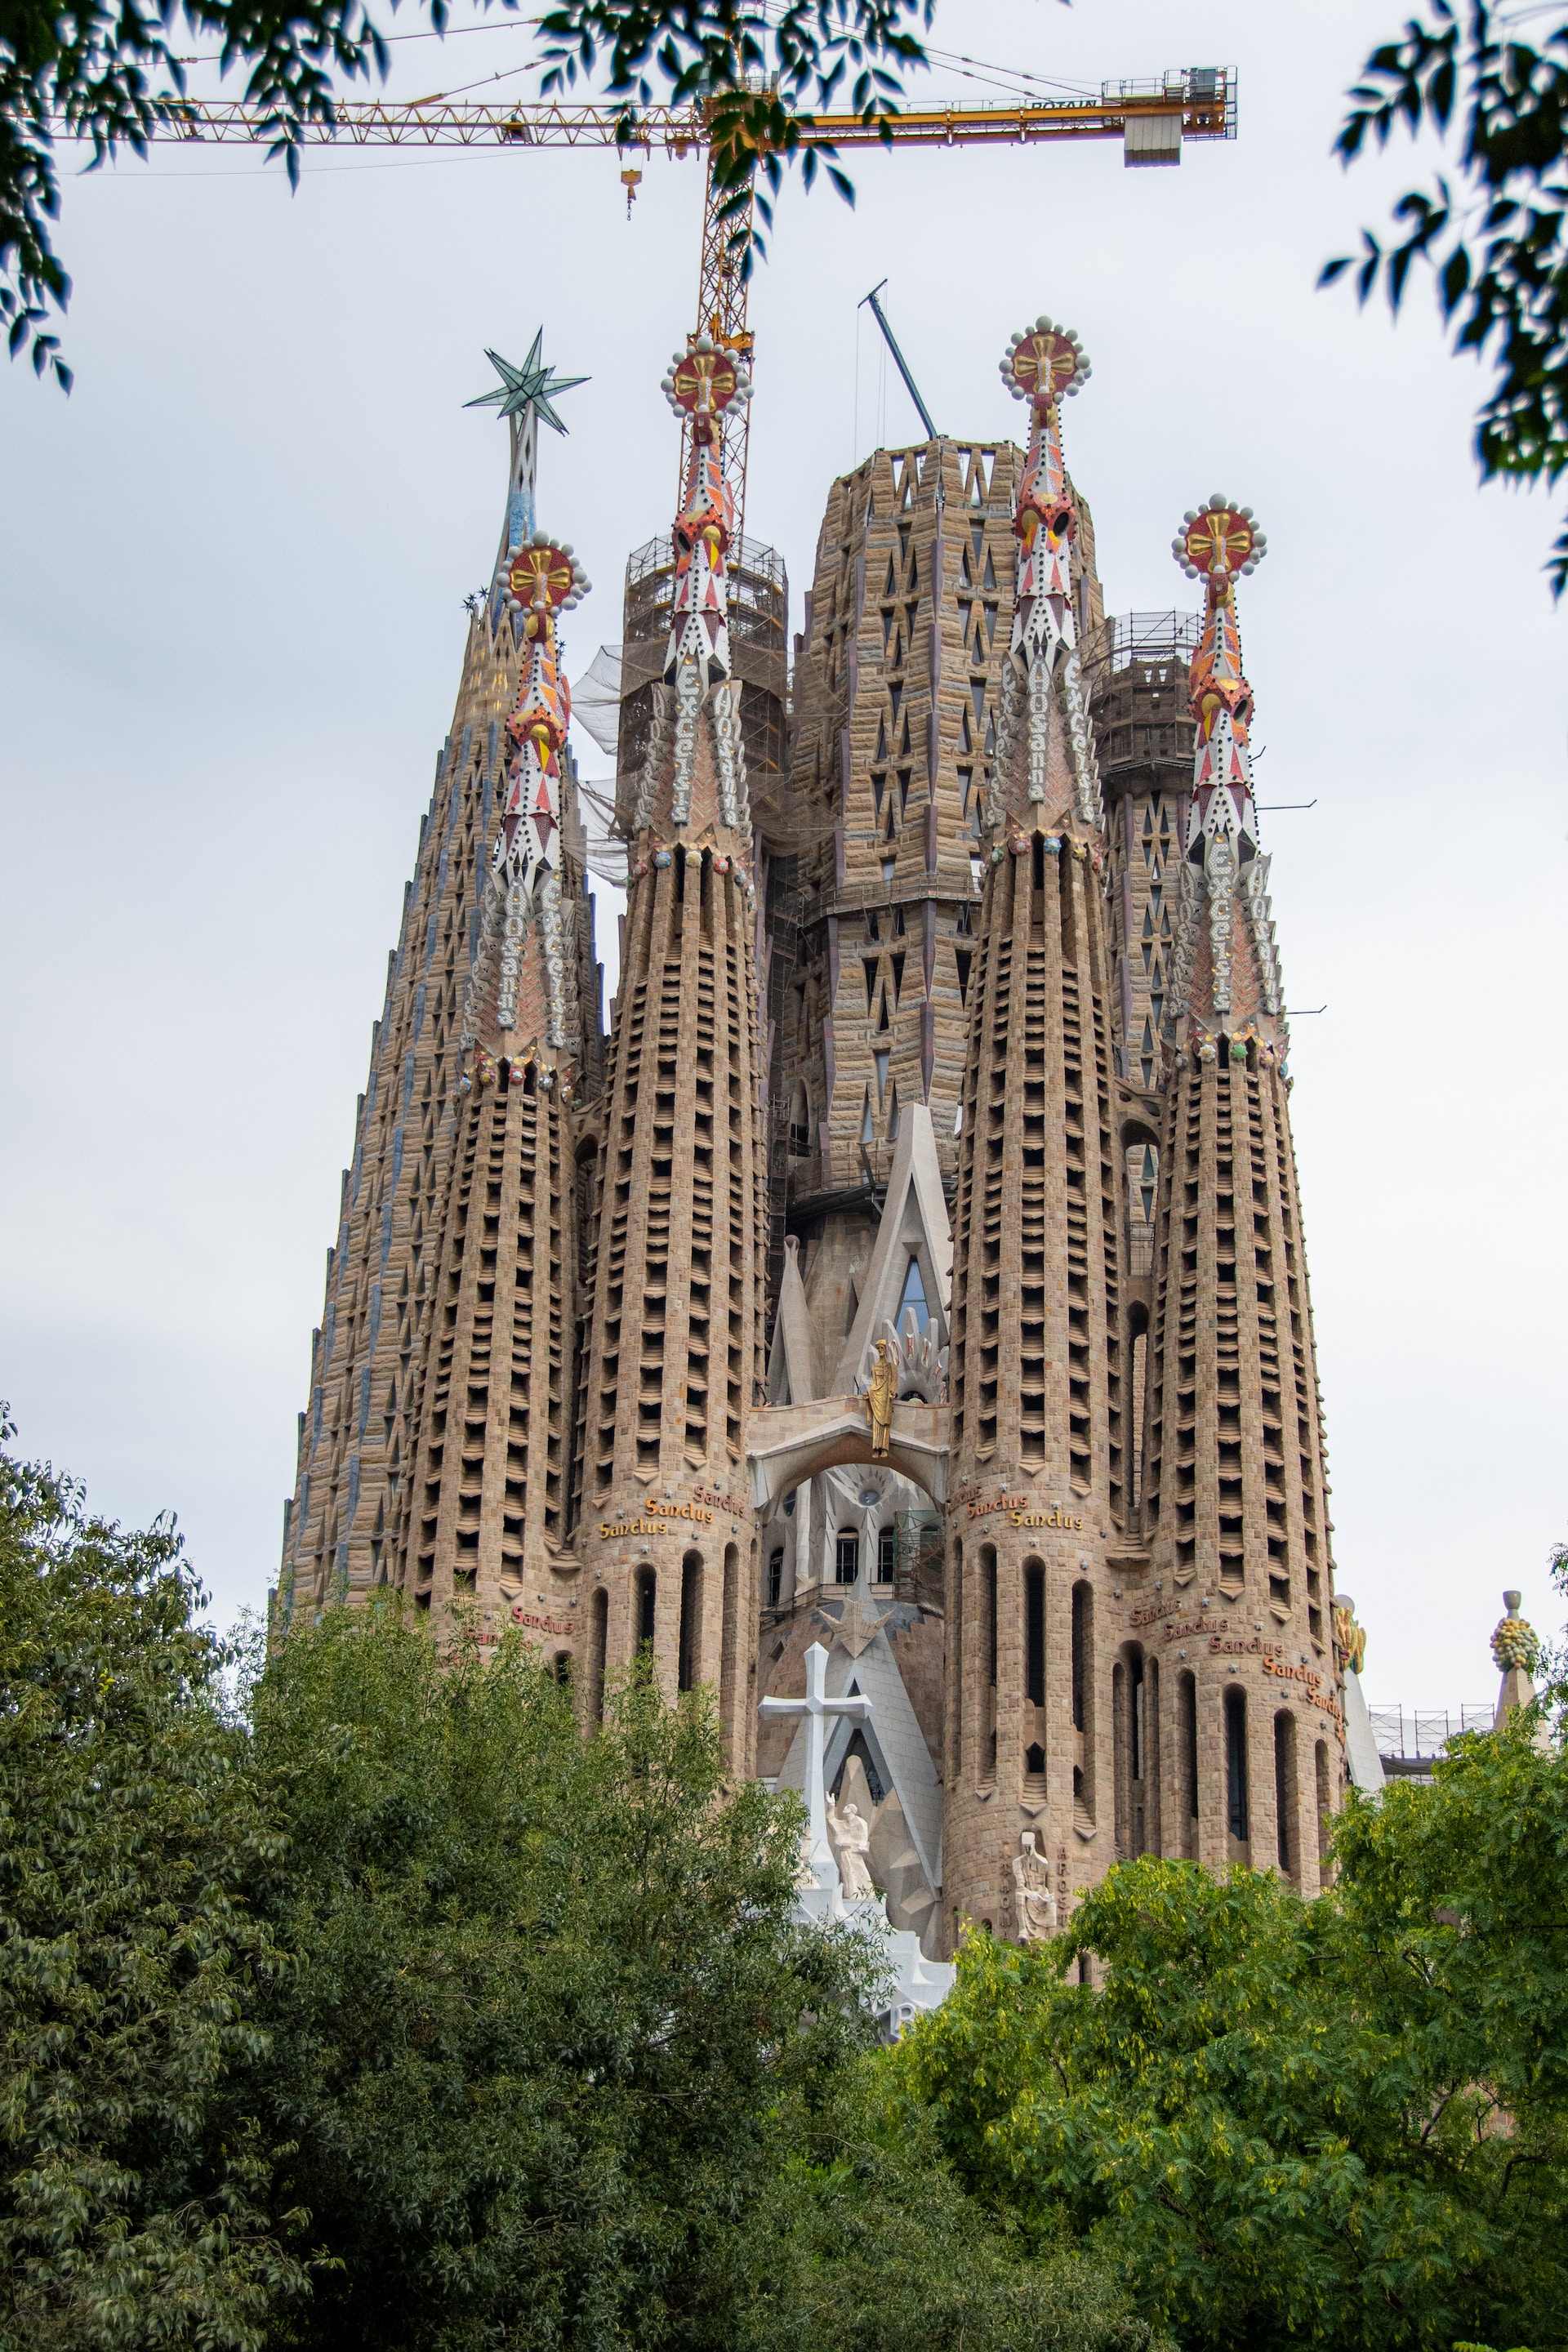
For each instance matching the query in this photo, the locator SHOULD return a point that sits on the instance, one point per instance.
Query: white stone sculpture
(851, 1834)
(1037, 1903)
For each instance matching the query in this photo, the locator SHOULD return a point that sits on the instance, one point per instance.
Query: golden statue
(880, 1392)
(1350, 1637)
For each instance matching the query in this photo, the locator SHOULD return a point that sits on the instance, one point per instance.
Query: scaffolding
(759, 619)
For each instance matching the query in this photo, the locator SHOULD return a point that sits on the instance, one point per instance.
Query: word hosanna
(950, 1022)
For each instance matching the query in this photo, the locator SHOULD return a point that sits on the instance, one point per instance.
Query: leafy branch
(108, 72)
(759, 80)
(1498, 246)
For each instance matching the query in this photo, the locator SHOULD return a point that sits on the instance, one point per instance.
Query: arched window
(1325, 1806)
(689, 1652)
(1034, 1633)
(1285, 1794)
(563, 1668)
(799, 1122)
(1237, 1815)
(1187, 1734)
(729, 1639)
(1083, 1696)
(599, 1629)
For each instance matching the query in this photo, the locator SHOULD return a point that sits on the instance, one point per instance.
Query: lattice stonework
(951, 1018)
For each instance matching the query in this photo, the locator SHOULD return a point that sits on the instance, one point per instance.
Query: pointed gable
(914, 1226)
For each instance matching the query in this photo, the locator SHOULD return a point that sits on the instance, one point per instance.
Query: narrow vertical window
(1034, 1633)
(1285, 1793)
(1081, 1628)
(647, 1590)
(1235, 1764)
(690, 1645)
(599, 1625)
(776, 1577)
(846, 1557)
(1325, 1804)
(1189, 1702)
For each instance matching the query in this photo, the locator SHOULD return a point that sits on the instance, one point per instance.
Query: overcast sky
(230, 632)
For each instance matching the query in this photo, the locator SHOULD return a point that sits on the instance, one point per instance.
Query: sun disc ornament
(1218, 542)
(706, 380)
(545, 573)
(1045, 362)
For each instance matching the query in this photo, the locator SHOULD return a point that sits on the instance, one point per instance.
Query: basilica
(913, 1265)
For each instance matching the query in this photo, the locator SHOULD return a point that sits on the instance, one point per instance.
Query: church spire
(537, 577)
(695, 778)
(1219, 544)
(526, 397)
(1042, 761)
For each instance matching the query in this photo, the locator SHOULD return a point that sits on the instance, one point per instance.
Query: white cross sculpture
(816, 1707)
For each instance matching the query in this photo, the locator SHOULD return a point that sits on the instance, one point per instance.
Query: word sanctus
(1312, 1680)
(720, 1502)
(1019, 1515)
(542, 1625)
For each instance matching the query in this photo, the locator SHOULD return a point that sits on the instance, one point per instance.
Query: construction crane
(1152, 119)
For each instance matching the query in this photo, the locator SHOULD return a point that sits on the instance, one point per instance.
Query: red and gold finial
(1045, 364)
(1219, 544)
(543, 577)
(703, 381)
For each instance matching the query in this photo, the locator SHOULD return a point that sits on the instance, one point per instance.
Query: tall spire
(695, 777)
(674, 1328)
(1040, 762)
(526, 397)
(536, 578)
(1219, 544)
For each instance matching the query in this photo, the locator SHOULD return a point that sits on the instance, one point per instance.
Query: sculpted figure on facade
(851, 1834)
(880, 1394)
(1033, 1895)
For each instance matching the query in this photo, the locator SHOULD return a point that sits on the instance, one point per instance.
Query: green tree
(361, 2002)
(553, 2029)
(1343, 2121)
(129, 1960)
(1494, 229)
(873, 2246)
(110, 71)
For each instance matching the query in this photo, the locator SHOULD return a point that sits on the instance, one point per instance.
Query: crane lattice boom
(1152, 119)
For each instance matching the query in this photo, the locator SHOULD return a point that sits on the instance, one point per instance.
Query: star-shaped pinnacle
(531, 385)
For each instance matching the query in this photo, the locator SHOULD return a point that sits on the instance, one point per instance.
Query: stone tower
(1235, 1507)
(434, 1450)
(950, 1020)
(1039, 1403)
(675, 1302)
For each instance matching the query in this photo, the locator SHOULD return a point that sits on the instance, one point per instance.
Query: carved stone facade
(950, 1017)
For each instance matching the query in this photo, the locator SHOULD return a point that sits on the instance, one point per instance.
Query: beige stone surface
(537, 1395)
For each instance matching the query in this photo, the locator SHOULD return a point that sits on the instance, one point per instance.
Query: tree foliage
(552, 2026)
(1343, 2121)
(1494, 229)
(130, 1964)
(873, 2246)
(108, 72)
(361, 2002)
